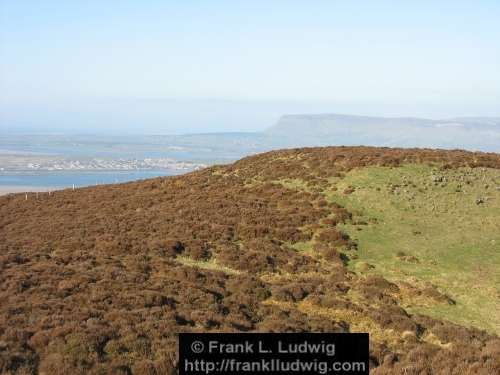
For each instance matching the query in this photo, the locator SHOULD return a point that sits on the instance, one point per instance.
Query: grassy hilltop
(401, 243)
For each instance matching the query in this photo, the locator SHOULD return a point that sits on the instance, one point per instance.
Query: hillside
(471, 133)
(401, 243)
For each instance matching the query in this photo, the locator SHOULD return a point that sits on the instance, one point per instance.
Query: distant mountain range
(473, 133)
(291, 131)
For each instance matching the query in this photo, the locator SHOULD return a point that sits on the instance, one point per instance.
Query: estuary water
(66, 179)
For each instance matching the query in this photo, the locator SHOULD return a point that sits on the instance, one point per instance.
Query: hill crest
(102, 278)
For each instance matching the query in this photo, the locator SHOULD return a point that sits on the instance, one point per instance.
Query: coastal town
(100, 164)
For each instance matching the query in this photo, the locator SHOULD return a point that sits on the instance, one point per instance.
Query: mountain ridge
(472, 133)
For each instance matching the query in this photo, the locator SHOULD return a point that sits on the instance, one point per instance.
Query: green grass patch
(439, 226)
(304, 247)
(207, 265)
(294, 184)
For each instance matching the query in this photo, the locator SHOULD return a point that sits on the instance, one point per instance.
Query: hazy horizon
(206, 116)
(172, 68)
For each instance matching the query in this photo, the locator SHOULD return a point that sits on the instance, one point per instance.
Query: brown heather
(100, 280)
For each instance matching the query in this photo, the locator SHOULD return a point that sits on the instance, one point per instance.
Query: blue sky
(176, 66)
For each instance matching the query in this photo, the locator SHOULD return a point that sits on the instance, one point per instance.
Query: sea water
(66, 179)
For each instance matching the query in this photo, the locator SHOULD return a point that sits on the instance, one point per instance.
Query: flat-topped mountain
(401, 243)
(480, 133)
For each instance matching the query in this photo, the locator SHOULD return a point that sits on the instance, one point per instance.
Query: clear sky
(174, 66)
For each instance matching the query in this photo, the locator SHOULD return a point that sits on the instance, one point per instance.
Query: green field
(427, 226)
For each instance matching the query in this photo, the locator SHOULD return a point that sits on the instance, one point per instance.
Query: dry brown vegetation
(101, 280)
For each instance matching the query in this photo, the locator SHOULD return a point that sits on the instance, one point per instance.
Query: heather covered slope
(101, 279)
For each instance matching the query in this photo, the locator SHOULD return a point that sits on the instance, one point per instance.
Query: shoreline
(13, 189)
